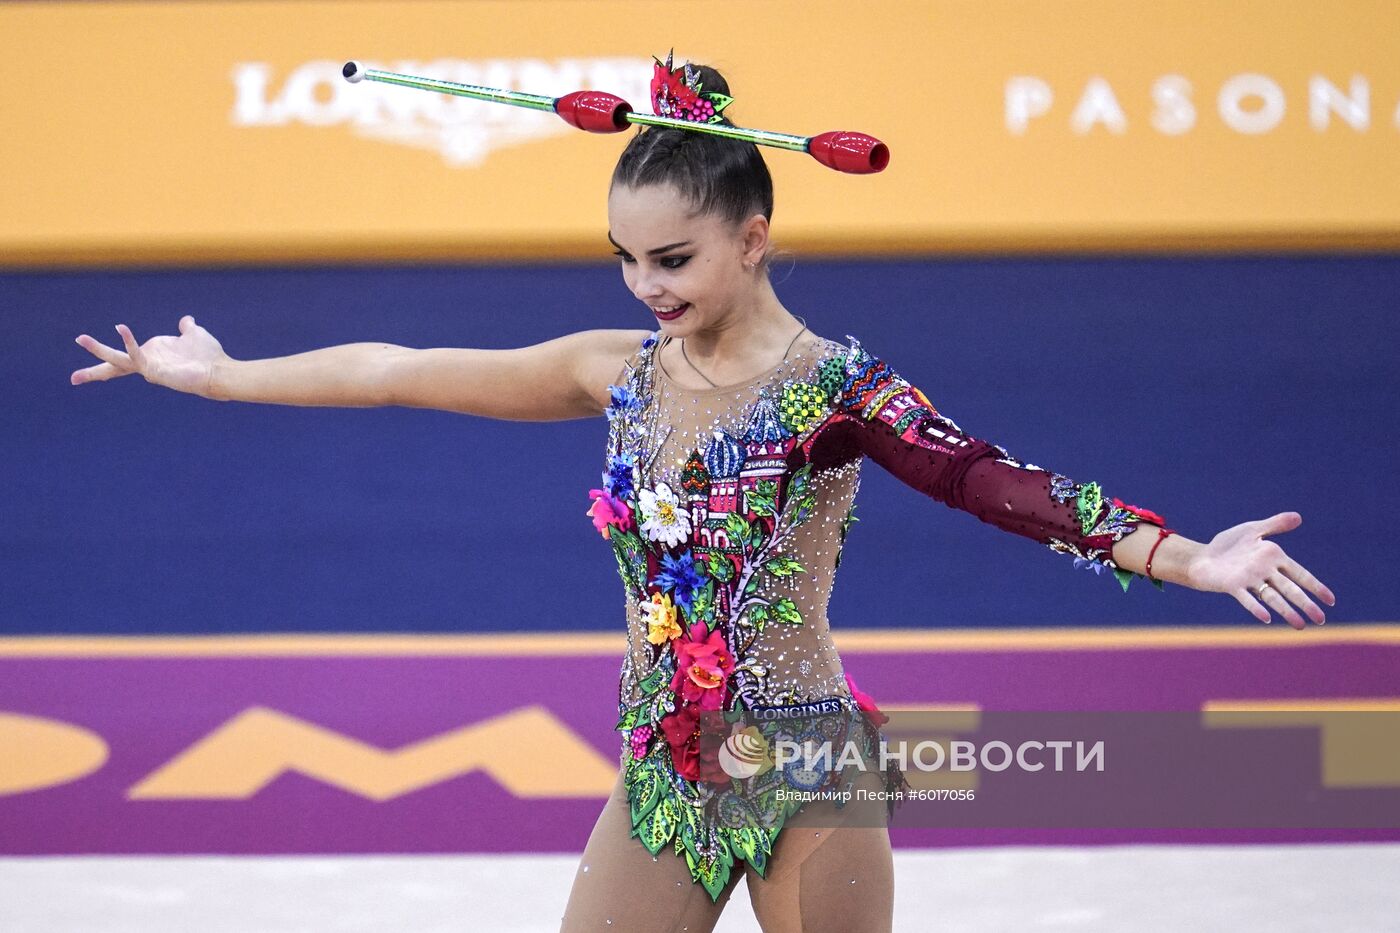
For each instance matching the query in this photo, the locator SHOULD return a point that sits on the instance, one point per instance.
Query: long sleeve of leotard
(893, 423)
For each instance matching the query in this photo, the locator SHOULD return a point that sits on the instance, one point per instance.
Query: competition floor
(330, 782)
(1154, 889)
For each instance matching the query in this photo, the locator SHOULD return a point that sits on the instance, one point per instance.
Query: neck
(747, 340)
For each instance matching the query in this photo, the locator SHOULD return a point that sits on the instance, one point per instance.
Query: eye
(624, 256)
(674, 262)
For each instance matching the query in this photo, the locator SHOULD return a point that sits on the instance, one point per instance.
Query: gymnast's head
(688, 214)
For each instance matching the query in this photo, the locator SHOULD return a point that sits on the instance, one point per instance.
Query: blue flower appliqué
(1081, 563)
(618, 478)
(678, 575)
(623, 400)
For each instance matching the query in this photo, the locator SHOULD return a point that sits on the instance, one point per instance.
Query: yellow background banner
(222, 132)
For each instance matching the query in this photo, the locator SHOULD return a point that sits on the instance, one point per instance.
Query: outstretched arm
(556, 380)
(559, 379)
(892, 422)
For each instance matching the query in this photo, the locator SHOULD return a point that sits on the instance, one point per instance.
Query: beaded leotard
(727, 509)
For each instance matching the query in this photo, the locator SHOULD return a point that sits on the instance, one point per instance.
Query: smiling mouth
(669, 312)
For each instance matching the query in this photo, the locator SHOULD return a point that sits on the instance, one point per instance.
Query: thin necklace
(785, 352)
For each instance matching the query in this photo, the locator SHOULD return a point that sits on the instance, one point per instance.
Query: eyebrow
(651, 252)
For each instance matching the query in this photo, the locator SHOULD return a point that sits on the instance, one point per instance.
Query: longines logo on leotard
(463, 131)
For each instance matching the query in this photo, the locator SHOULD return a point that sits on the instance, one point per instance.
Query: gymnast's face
(688, 269)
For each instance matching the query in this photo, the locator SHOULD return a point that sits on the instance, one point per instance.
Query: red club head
(844, 151)
(594, 111)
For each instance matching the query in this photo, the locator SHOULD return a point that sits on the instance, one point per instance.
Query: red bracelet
(1161, 536)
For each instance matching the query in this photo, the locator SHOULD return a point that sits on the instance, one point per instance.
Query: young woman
(735, 439)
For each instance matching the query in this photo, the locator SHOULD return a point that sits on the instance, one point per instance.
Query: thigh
(619, 885)
(830, 870)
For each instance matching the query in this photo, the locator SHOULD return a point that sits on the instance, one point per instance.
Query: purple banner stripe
(408, 754)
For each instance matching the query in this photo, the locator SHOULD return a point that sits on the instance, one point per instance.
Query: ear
(754, 238)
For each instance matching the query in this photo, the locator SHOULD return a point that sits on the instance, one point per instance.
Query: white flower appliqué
(662, 517)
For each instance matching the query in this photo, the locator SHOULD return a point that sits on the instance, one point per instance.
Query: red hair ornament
(678, 93)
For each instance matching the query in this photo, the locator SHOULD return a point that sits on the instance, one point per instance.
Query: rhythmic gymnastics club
(601, 112)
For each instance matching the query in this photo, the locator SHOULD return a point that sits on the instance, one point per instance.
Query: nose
(646, 285)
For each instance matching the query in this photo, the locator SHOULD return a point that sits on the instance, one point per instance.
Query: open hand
(1240, 562)
(184, 363)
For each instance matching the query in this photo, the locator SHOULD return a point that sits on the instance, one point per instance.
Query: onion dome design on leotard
(766, 443)
(765, 427)
(724, 456)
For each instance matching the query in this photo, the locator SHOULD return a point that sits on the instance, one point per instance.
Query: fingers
(1296, 571)
(1274, 601)
(133, 350)
(1255, 608)
(1283, 521)
(1274, 598)
(117, 363)
(1289, 591)
(98, 373)
(187, 324)
(1284, 592)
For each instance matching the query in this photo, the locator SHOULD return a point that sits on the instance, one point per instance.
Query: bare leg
(620, 886)
(831, 871)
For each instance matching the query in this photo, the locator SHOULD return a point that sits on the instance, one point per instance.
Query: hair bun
(721, 176)
(711, 81)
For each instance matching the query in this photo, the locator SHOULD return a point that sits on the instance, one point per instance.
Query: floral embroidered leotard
(727, 509)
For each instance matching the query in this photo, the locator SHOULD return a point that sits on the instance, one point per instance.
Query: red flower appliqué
(695, 737)
(703, 663)
(867, 705)
(1144, 514)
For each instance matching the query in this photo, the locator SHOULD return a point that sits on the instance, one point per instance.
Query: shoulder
(856, 376)
(863, 365)
(825, 351)
(864, 381)
(848, 349)
(609, 342)
(601, 356)
(847, 361)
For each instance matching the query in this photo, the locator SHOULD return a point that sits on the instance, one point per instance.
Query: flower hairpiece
(677, 92)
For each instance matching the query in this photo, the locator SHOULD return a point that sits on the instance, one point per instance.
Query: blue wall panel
(1211, 390)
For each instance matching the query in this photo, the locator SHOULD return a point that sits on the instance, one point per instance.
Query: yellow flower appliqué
(660, 615)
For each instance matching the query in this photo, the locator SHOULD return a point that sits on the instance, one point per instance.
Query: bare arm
(347, 376)
(559, 379)
(1171, 560)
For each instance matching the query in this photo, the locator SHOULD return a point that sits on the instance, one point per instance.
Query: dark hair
(725, 177)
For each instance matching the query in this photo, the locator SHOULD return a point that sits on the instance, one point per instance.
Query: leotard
(727, 509)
